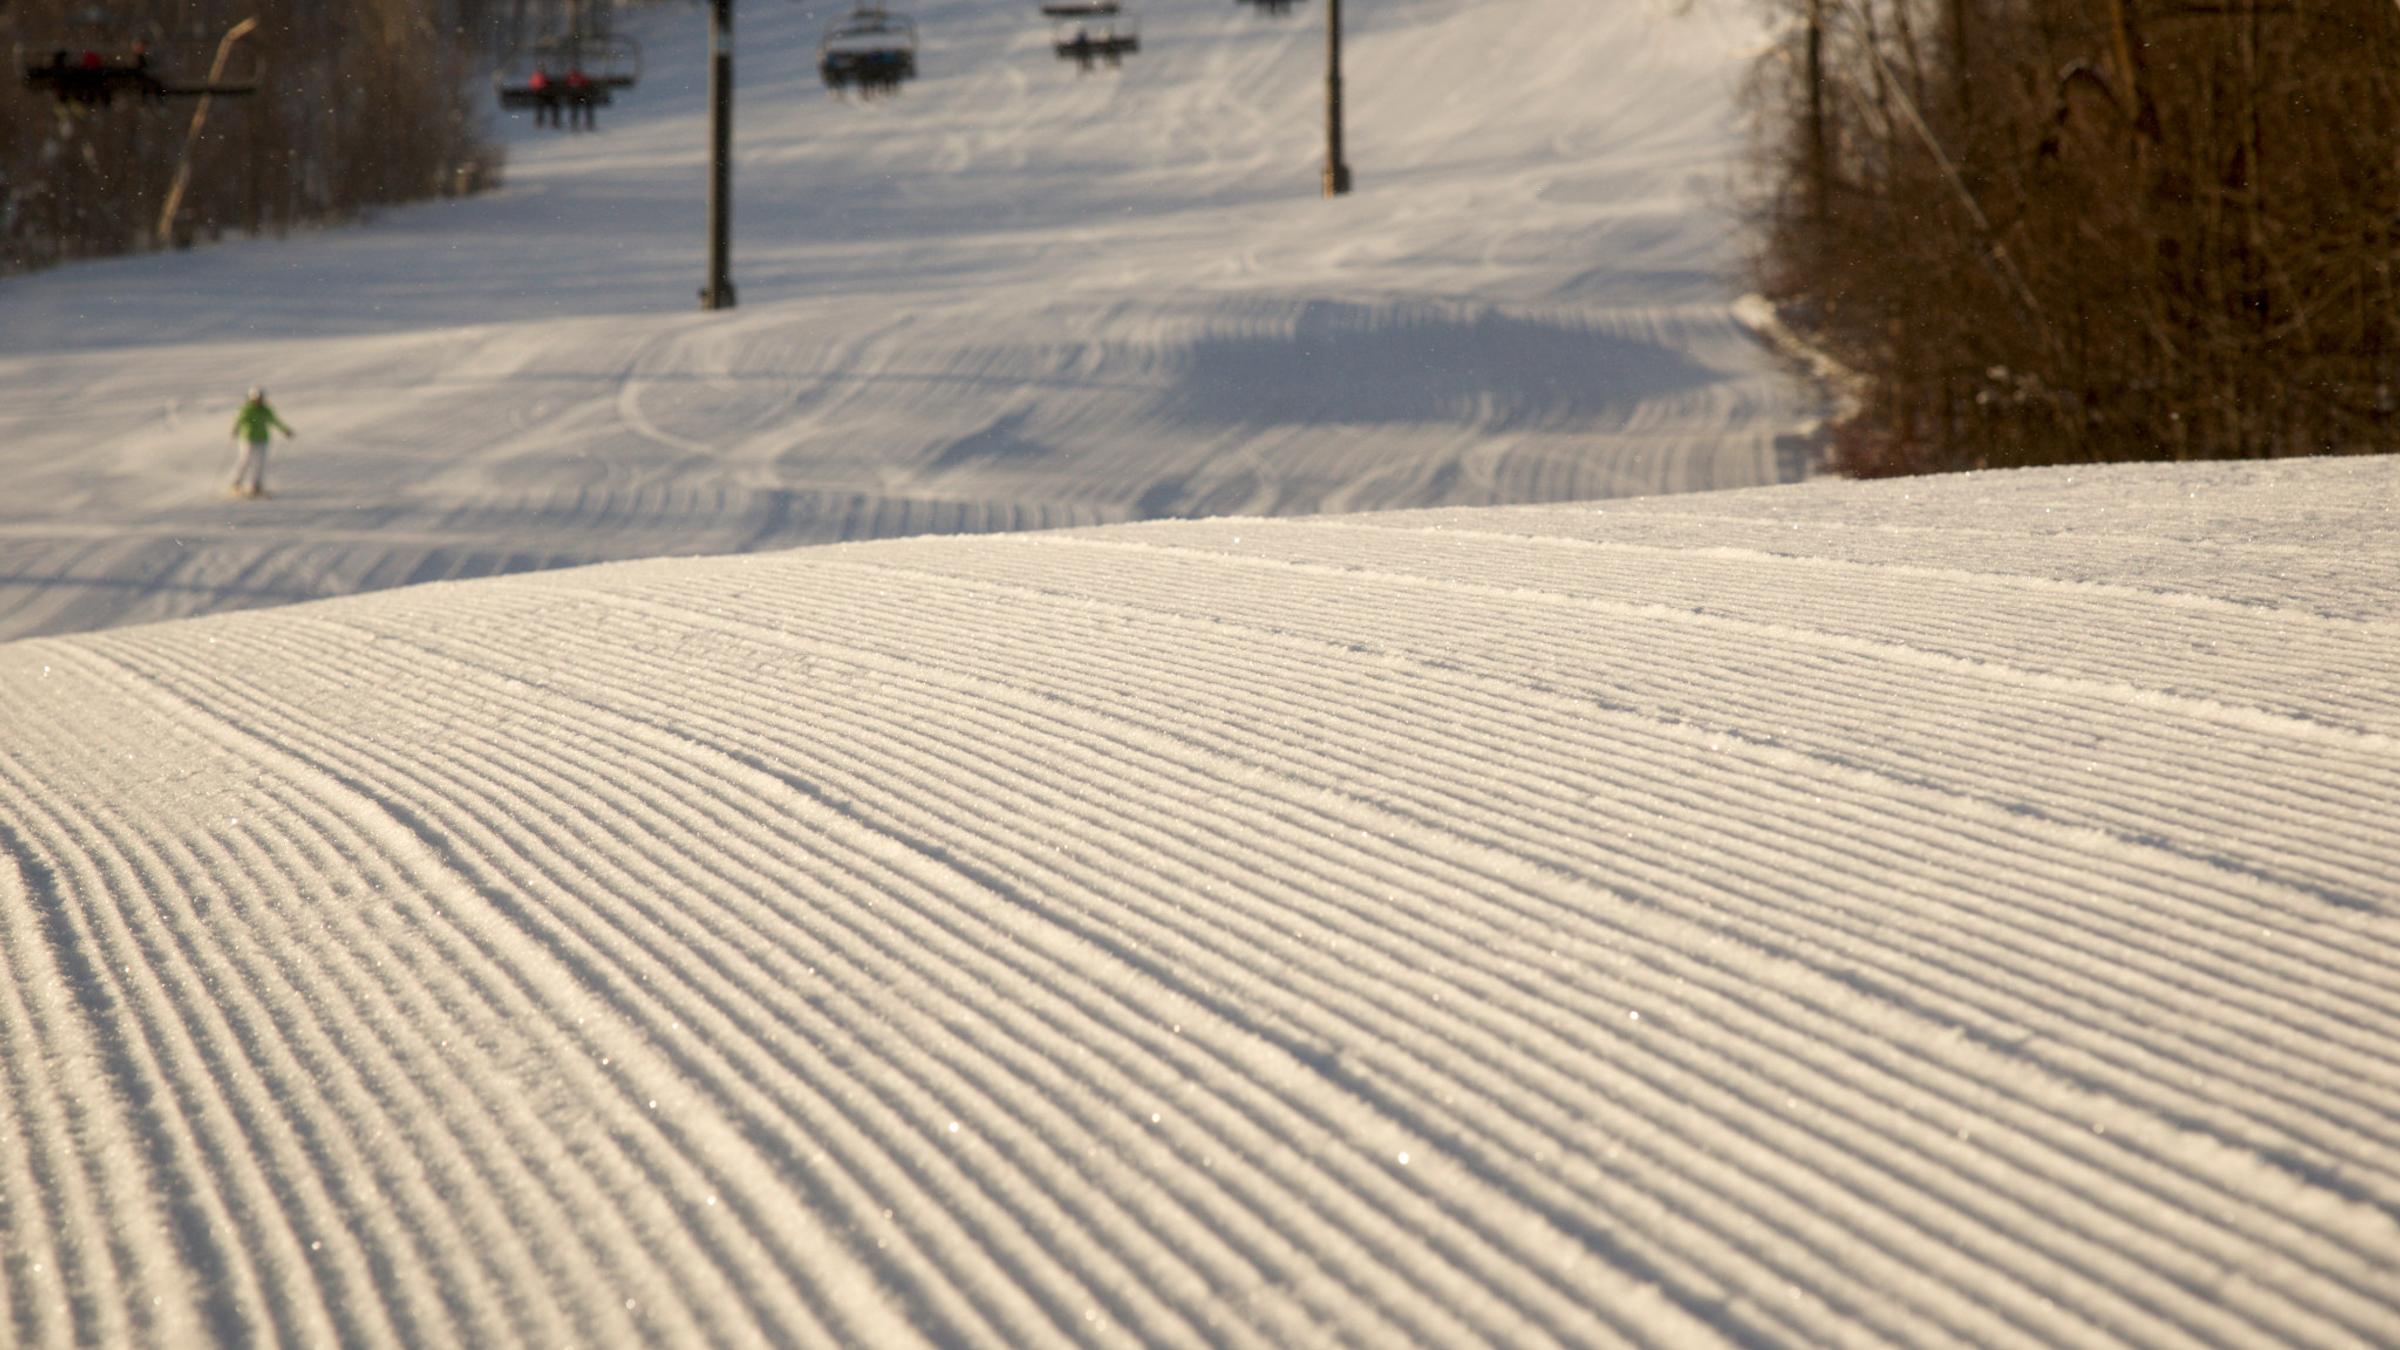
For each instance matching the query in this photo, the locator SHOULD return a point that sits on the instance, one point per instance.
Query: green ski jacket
(252, 421)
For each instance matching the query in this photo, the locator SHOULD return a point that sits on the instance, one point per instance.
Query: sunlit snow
(1939, 911)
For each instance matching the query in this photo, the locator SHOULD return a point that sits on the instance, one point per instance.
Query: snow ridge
(1543, 925)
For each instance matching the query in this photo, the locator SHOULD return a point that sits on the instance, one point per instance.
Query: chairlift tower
(1337, 169)
(718, 293)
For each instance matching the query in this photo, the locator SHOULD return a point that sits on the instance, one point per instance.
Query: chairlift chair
(1269, 6)
(87, 79)
(106, 58)
(608, 64)
(870, 50)
(1073, 39)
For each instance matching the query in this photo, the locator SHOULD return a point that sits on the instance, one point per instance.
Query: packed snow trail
(1952, 910)
(1010, 297)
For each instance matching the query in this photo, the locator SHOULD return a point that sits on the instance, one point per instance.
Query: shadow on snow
(1359, 365)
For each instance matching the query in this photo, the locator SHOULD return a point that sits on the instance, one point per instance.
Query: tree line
(2061, 231)
(359, 104)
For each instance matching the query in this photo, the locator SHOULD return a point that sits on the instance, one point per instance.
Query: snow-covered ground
(1012, 297)
(1945, 911)
(1960, 911)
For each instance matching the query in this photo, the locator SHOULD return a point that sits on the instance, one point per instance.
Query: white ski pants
(250, 472)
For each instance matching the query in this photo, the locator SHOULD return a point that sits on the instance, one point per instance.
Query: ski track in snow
(1011, 298)
(1662, 922)
(1948, 911)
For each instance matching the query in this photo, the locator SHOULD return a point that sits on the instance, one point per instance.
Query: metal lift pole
(718, 293)
(1337, 170)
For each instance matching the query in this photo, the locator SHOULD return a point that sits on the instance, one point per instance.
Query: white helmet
(257, 392)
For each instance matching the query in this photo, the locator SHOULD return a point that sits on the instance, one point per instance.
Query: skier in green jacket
(251, 426)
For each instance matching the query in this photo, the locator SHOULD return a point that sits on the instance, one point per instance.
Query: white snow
(1961, 910)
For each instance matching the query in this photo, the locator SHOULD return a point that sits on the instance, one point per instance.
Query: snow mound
(1964, 909)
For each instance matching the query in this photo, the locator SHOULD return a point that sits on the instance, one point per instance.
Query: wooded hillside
(2051, 231)
(358, 104)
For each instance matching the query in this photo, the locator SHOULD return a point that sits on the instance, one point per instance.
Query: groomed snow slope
(1011, 297)
(1964, 909)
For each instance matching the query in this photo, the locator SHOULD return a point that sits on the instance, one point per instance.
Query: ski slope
(1951, 911)
(1013, 297)
(1418, 891)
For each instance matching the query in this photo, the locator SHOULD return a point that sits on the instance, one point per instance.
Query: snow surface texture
(1962, 910)
(1013, 296)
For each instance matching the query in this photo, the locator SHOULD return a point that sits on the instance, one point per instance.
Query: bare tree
(2052, 231)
